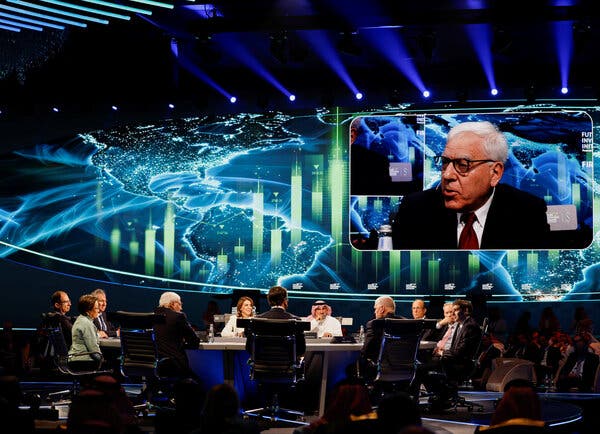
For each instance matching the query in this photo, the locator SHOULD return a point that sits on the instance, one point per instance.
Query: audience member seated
(22, 421)
(579, 370)
(85, 336)
(93, 412)
(521, 347)
(105, 328)
(245, 309)
(549, 322)
(221, 413)
(174, 336)
(349, 408)
(581, 322)
(397, 412)
(519, 408)
(321, 321)
(549, 359)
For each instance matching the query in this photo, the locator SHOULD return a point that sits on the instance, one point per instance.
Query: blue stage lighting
(233, 100)
(292, 97)
(426, 93)
(564, 90)
(358, 95)
(494, 92)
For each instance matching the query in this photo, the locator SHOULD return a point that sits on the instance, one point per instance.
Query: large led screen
(245, 201)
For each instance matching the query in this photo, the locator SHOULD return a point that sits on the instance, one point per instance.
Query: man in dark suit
(470, 209)
(105, 328)
(61, 304)
(384, 307)
(174, 336)
(278, 300)
(458, 360)
(579, 371)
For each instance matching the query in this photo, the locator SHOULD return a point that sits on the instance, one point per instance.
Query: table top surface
(237, 344)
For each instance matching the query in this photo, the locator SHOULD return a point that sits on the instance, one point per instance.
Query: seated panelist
(245, 310)
(322, 322)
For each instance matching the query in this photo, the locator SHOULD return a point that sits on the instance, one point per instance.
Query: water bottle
(385, 238)
(361, 334)
(211, 333)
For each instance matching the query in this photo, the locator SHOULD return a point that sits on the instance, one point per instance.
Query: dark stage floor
(563, 412)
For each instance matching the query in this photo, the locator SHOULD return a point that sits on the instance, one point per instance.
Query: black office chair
(274, 363)
(397, 361)
(140, 360)
(460, 379)
(64, 363)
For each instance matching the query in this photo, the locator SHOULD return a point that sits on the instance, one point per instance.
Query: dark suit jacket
(111, 331)
(279, 313)
(516, 220)
(586, 382)
(373, 338)
(55, 319)
(173, 337)
(465, 342)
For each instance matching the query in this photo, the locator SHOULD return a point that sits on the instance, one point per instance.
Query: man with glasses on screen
(470, 209)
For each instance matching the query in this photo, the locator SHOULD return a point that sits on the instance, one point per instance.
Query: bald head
(383, 306)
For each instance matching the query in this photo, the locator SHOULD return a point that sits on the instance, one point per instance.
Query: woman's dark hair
(86, 303)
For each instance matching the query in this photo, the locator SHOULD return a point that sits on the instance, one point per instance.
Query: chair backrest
(139, 352)
(397, 361)
(56, 338)
(273, 356)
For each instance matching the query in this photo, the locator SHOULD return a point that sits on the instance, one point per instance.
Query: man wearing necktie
(104, 326)
(470, 209)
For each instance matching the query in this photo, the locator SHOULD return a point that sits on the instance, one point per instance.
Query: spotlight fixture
(232, 99)
(426, 94)
(55, 109)
(564, 90)
(494, 91)
(114, 108)
(358, 95)
(292, 97)
(171, 106)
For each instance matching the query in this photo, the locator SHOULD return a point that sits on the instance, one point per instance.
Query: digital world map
(246, 201)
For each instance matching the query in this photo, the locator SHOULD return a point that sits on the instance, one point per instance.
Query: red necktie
(468, 237)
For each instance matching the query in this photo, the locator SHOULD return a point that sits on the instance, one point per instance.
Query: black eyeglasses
(461, 165)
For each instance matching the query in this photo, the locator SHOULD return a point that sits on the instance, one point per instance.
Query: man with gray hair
(383, 307)
(105, 328)
(470, 209)
(174, 336)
